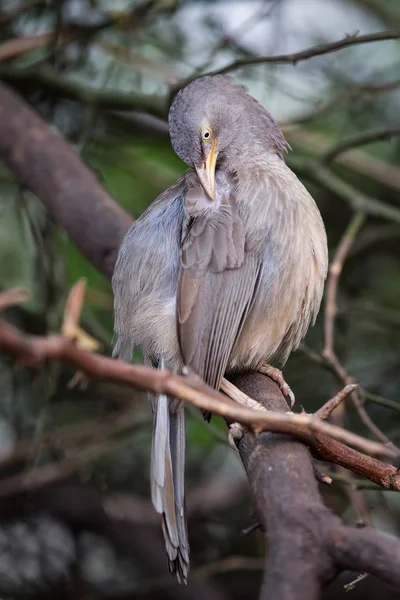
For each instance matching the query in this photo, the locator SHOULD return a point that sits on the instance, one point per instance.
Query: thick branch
(301, 531)
(288, 503)
(370, 551)
(318, 50)
(43, 162)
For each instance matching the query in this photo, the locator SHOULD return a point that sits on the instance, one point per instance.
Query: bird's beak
(206, 172)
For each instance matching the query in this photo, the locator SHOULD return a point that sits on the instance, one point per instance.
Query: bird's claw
(277, 376)
(236, 433)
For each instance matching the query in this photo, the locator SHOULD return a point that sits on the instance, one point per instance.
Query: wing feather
(217, 283)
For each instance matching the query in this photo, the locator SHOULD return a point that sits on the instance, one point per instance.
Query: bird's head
(215, 124)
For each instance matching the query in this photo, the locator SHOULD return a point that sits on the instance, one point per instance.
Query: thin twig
(330, 405)
(16, 46)
(355, 496)
(357, 200)
(330, 311)
(359, 140)
(66, 438)
(55, 471)
(335, 271)
(318, 50)
(48, 79)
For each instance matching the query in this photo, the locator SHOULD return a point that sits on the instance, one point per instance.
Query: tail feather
(167, 482)
(167, 470)
(177, 440)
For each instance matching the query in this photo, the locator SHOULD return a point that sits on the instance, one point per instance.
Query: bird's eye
(206, 134)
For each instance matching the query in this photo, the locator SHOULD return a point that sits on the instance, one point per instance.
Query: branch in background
(335, 269)
(43, 162)
(353, 93)
(16, 46)
(48, 79)
(383, 172)
(331, 289)
(7, 16)
(318, 50)
(11, 298)
(357, 200)
(330, 311)
(360, 139)
(80, 509)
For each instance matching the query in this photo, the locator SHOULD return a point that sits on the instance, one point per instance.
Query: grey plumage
(221, 273)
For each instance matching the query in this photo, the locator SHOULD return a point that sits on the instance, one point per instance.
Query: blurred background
(102, 72)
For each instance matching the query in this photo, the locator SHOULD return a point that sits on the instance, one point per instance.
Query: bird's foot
(236, 432)
(276, 375)
(240, 397)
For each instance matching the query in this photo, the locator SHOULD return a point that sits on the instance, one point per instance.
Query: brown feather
(217, 283)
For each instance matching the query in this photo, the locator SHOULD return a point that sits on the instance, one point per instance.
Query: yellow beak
(206, 173)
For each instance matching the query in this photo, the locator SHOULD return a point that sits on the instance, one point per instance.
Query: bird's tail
(167, 481)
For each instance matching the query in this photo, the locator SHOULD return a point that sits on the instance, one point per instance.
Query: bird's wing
(147, 266)
(217, 283)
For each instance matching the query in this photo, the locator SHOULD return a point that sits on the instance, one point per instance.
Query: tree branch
(370, 551)
(33, 351)
(43, 162)
(359, 140)
(300, 530)
(387, 174)
(332, 404)
(335, 270)
(318, 50)
(328, 352)
(357, 200)
(46, 78)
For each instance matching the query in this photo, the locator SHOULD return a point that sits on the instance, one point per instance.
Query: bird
(223, 273)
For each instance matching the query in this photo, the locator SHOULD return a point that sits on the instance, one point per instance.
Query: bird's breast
(283, 225)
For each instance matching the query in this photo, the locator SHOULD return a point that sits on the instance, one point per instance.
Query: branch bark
(307, 544)
(34, 351)
(43, 162)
